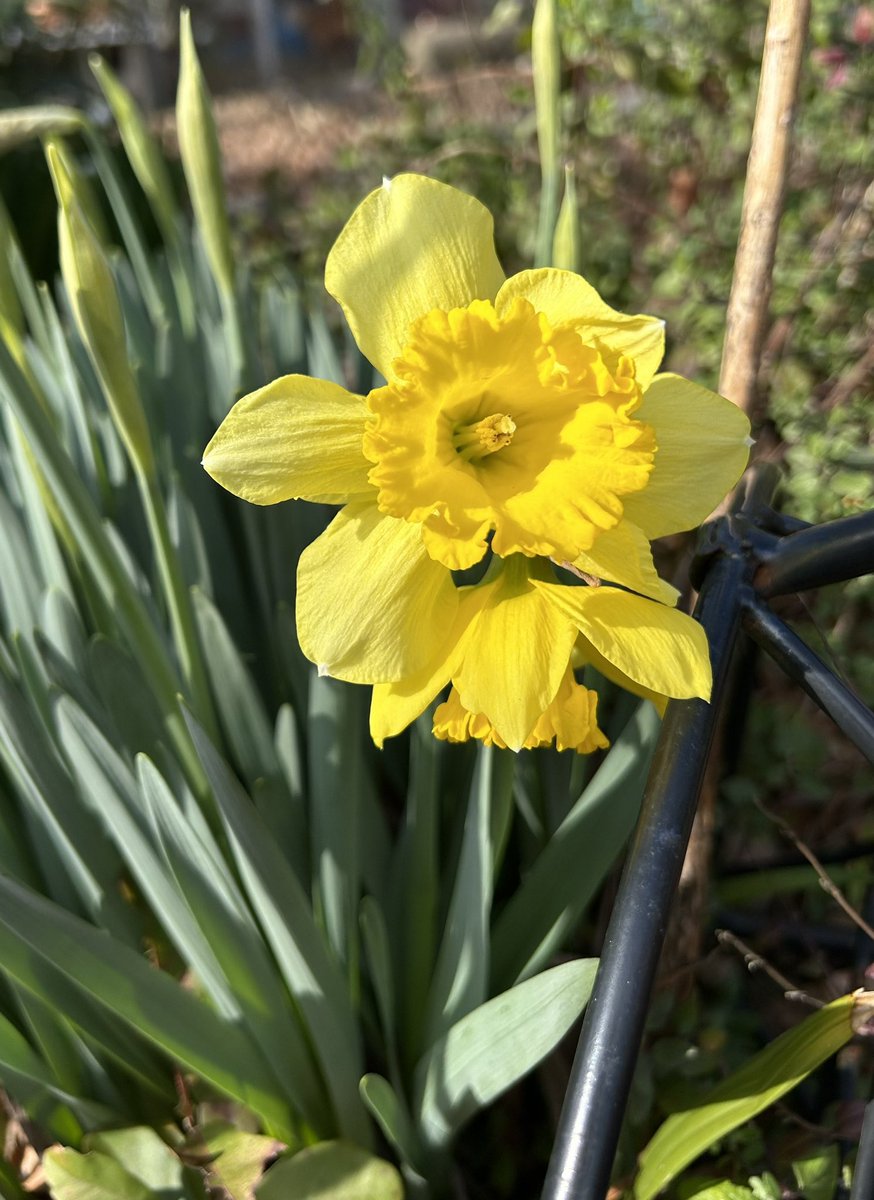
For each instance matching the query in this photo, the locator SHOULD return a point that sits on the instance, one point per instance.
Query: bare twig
(854, 378)
(826, 882)
(763, 199)
(755, 962)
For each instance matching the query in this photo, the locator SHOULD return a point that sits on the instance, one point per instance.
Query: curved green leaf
(765, 1078)
(331, 1171)
(492, 1047)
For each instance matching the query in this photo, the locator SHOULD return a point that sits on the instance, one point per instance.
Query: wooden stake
(785, 37)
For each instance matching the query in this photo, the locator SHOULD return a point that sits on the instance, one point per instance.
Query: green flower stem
(546, 64)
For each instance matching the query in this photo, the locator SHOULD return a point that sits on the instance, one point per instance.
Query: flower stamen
(485, 437)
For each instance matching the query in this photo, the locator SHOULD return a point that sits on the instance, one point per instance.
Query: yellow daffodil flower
(520, 414)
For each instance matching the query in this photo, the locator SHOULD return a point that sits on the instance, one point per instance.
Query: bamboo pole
(785, 36)
(746, 317)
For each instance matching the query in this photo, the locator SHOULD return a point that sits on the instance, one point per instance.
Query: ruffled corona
(499, 422)
(570, 722)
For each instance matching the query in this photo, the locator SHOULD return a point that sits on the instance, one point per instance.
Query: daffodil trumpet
(521, 418)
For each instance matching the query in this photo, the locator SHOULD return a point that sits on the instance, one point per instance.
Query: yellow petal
(658, 647)
(514, 660)
(588, 654)
(703, 448)
(296, 439)
(393, 706)
(411, 246)
(372, 606)
(623, 555)
(569, 302)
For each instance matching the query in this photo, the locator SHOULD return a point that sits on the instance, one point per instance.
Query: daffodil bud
(85, 195)
(143, 155)
(566, 242)
(18, 125)
(201, 159)
(94, 299)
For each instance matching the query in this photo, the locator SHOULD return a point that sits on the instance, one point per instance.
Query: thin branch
(755, 962)
(853, 379)
(826, 882)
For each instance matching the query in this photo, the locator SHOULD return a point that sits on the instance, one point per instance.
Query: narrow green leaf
(21, 1067)
(37, 508)
(291, 825)
(765, 1078)
(461, 974)
(241, 709)
(54, 814)
(331, 1171)
(142, 152)
(62, 625)
(23, 281)
(335, 811)
(97, 1025)
(119, 683)
(11, 312)
(376, 946)
(415, 891)
(208, 888)
(573, 863)
(19, 585)
(57, 1044)
(150, 1001)
(394, 1119)
(492, 1047)
(310, 973)
(98, 549)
